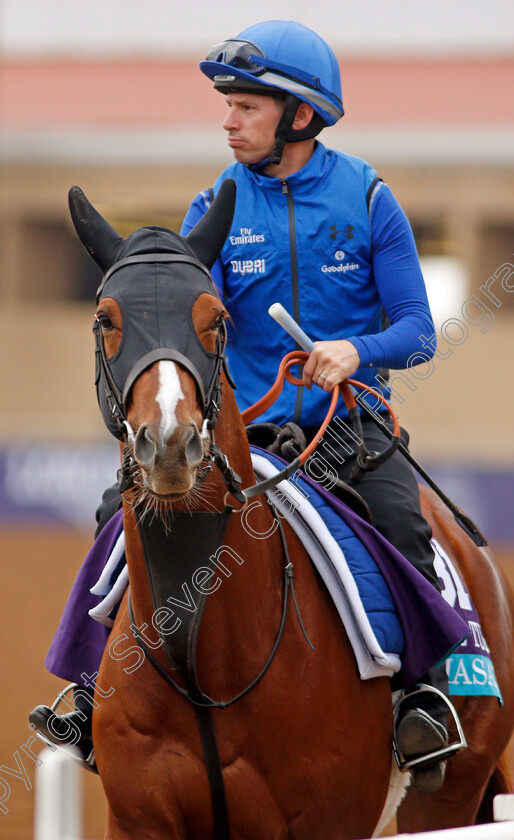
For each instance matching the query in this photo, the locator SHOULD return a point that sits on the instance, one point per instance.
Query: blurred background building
(107, 94)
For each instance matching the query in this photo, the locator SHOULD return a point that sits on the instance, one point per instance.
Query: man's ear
(303, 116)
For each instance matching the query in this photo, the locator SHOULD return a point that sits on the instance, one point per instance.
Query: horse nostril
(145, 449)
(194, 449)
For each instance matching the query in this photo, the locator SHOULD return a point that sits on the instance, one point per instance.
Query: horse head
(160, 338)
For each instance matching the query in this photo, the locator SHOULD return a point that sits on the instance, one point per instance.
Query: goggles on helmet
(237, 54)
(243, 55)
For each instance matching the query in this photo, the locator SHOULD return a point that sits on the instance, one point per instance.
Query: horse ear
(208, 235)
(99, 239)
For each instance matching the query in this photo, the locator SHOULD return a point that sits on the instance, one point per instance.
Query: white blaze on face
(168, 397)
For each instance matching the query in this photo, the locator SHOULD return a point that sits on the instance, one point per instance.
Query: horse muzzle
(168, 465)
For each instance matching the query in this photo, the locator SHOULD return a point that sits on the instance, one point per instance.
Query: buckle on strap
(460, 743)
(230, 477)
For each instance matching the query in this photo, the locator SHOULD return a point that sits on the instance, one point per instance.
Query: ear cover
(98, 237)
(209, 234)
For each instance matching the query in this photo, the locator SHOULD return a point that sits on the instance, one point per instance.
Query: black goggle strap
(150, 258)
(296, 75)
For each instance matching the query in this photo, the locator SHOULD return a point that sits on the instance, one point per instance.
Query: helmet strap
(285, 134)
(284, 128)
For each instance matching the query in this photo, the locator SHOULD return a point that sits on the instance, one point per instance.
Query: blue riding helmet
(286, 60)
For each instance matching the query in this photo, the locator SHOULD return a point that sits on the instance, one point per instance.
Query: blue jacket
(312, 244)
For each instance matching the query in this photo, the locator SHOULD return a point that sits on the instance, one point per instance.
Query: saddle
(289, 442)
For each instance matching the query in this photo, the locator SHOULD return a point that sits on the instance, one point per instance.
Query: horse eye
(218, 321)
(105, 322)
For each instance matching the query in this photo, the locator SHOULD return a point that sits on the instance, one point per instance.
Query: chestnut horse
(305, 752)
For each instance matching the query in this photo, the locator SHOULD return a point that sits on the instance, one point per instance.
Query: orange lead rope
(345, 389)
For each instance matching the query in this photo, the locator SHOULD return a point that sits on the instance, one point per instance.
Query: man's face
(251, 122)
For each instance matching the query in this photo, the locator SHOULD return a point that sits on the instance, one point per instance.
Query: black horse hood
(156, 300)
(155, 276)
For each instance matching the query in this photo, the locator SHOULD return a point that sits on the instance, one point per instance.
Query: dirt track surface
(38, 569)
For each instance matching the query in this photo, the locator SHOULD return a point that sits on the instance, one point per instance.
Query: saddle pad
(373, 658)
(469, 665)
(348, 571)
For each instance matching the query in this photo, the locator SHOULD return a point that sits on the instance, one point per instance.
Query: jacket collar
(304, 178)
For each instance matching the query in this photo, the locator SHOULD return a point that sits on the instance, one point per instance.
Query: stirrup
(405, 764)
(88, 762)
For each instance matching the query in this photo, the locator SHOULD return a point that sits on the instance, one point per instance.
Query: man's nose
(230, 121)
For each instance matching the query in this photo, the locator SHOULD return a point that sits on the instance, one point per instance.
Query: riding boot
(422, 728)
(74, 728)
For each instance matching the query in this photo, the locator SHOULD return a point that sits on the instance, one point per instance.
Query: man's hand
(329, 363)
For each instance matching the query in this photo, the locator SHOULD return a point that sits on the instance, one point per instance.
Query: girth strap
(221, 825)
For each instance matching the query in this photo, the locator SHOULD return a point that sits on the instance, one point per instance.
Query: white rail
(58, 797)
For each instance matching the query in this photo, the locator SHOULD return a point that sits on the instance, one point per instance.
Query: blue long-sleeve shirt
(312, 243)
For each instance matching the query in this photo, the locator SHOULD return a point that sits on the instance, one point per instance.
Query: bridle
(116, 399)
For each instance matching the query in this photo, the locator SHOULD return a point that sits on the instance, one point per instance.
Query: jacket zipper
(294, 286)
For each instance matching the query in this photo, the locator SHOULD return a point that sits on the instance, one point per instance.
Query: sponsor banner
(486, 494)
(55, 484)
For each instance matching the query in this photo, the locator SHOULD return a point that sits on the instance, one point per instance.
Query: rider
(318, 231)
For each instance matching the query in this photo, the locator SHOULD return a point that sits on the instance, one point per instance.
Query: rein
(196, 695)
(366, 460)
